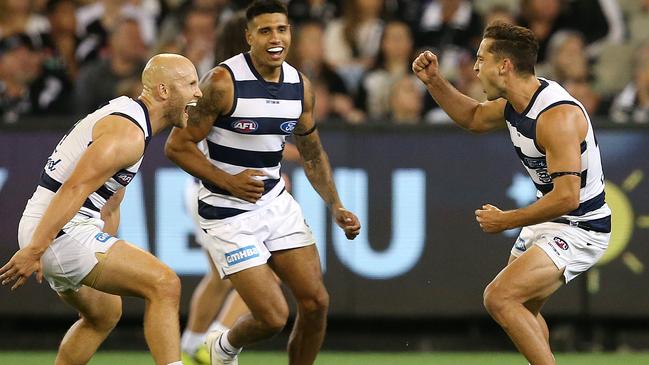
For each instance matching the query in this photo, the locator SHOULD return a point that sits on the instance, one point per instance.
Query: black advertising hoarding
(421, 252)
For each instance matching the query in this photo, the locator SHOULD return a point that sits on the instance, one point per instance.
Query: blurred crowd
(66, 57)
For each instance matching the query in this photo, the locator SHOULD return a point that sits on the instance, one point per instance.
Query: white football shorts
(572, 248)
(248, 239)
(71, 256)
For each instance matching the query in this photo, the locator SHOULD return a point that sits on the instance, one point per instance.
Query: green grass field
(350, 358)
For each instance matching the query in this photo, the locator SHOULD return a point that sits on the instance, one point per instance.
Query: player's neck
(268, 72)
(156, 117)
(520, 91)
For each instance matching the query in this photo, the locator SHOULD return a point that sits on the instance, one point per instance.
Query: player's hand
(491, 219)
(247, 185)
(22, 265)
(426, 67)
(348, 222)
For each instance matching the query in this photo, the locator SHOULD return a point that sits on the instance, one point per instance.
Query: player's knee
(274, 319)
(105, 317)
(494, 299)
(167, 286)
(316, 304)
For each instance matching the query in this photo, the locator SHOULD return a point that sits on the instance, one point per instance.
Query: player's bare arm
(181, 148)
(467, 112)
(560, 132)
(113, 148)
(316, 164)
(110, 212)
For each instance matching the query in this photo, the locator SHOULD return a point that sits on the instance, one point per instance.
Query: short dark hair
(514, 42)
(259, 7)
(52, 5)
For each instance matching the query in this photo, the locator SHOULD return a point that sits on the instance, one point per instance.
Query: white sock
(176, 363)
(224, 346)
(191, 341)
(217, 326)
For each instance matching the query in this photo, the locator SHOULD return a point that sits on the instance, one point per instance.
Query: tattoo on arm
(314, 158)
(317, 168)
(207, 107)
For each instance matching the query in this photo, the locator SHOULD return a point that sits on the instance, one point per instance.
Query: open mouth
(189, 105)
(275, 52)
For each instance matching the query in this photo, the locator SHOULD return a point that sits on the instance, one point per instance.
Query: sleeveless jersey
(593, 213)
(251, 135)
(67, 153)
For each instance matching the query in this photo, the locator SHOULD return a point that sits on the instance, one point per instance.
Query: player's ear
(248, 36)
(163, 91)
(504, 65)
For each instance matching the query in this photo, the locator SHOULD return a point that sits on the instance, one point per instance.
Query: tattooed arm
(316, 165)
(182, 149)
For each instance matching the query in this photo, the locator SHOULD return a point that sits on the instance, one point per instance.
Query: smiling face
(184, 92)
(170, 83)
(269, 37)
(489, 68)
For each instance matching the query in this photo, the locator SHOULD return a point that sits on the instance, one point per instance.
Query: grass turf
(349, 358)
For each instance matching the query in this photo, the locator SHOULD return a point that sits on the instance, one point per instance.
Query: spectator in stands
(566, 58)
(632, 104)
(637, 13)
(542, 17)
(227, 45)
(449, 27)
(393, 62)
(583, 91)
(16, 75)
(98, 81)
(301, 11)
(352, 41)
(499, 13)
(171, 24)
(17, 17)
(447, 24)
(598, 21)
(406, 100)
(568, 64)
(408, 11)
(60, 42)
(26, 88)
(198, 38)
(323, 111)
(95, 21)
(307, 55)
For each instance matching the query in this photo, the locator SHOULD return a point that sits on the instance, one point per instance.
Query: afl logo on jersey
(124, 177)
(561, 243)
(245, 126)
(288, 127)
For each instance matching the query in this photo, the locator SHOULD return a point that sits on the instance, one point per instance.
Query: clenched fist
(426, 67)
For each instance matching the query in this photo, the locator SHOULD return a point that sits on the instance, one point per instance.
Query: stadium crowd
(63, 57)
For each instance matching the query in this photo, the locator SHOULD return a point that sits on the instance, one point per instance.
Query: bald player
(66, 233)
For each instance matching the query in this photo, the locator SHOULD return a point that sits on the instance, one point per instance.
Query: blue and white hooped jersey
(593, 212)
(251, 135)
(67, 153)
